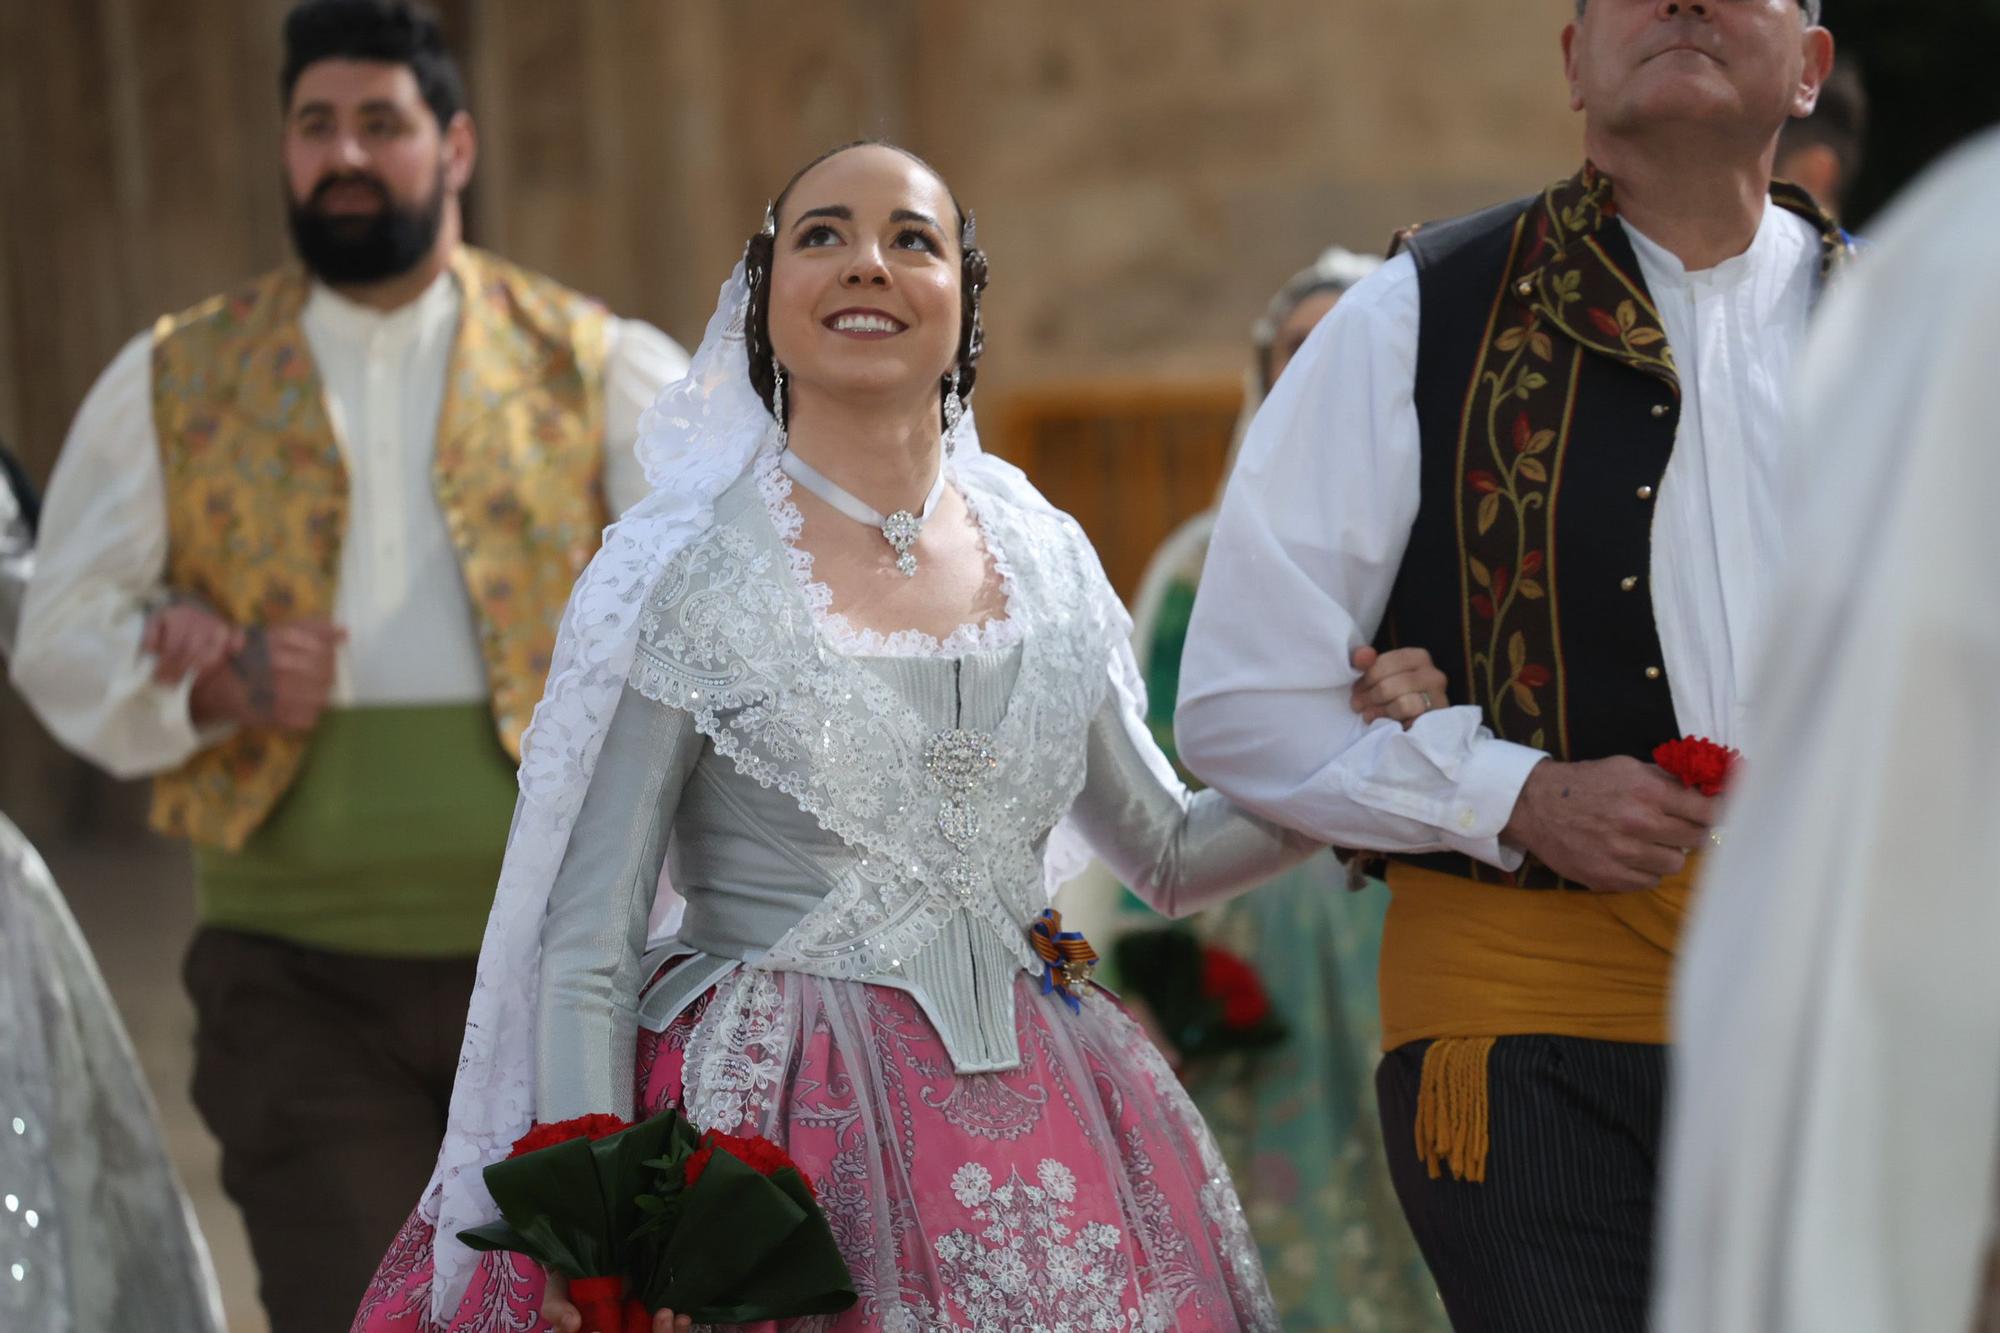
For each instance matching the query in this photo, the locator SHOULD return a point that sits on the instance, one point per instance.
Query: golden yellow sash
(1464, 963)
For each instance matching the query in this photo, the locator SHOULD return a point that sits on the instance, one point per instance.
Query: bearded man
(304, 554)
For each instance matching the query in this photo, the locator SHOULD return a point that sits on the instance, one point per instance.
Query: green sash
(389, 844)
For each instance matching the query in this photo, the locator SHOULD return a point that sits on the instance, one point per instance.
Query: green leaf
(492, 1236)
(806, 1274)
(1489, 511)
(1531, 589)
(553, 1199)
(1480, 573)
(1511, 339)
(1517, 651)
(573, 1206)
(1532, 469)
(731, 1222)
(745, 1249)
(625, 1171)
(1525, 697)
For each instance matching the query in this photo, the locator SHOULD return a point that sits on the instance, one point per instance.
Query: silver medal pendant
(900, 530)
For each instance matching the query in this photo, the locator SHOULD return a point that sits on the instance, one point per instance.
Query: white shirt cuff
(1488, 786)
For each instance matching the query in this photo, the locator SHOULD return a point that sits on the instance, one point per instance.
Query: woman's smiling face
(865, 277)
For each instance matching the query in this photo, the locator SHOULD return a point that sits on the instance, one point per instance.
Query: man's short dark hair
(392, 31)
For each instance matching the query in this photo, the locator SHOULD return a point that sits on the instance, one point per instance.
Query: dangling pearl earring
(954, 412)
(778, 404)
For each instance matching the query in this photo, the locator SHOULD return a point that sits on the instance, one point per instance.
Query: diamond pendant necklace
(900, 529)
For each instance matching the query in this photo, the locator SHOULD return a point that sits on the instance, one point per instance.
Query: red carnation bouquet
(1699, 763)
(650, 1216)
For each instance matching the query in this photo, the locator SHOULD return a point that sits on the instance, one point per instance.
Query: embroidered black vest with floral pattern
(1548, 404)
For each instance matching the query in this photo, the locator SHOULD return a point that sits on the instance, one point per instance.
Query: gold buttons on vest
(1526, 287)
(1652, 673)
(1645, 492)
(1660, 410)
(1628, 583)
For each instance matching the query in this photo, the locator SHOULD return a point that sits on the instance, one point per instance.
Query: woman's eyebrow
(841, 211)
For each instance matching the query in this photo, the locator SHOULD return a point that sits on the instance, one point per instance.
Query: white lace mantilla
(728, 635)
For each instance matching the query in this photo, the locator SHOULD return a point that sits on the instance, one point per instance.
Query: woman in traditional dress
(95, 1231)
(867, 746)
(1296, 1120)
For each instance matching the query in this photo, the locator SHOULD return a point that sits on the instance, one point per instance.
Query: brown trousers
(326, 1077)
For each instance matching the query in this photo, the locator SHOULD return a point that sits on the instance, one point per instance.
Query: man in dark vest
(1540, 443)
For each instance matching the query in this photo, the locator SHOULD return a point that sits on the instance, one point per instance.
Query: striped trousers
(1559, 1236)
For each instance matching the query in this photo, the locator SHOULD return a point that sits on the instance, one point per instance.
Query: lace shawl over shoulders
(728, 635)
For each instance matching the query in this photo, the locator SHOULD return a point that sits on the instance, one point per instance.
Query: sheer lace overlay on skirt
(1078, 1192)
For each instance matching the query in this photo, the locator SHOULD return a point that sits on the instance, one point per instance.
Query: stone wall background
(1144, 175)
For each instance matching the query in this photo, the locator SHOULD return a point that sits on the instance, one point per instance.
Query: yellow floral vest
(257, 494)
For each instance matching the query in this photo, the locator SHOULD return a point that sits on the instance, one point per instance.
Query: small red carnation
(759, 1154)
(562, 1131)
(1698, 762)
(1227, 978)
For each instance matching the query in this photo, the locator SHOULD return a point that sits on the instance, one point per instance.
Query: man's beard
(357, 249)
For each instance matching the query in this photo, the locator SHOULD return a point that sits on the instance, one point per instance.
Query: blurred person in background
(1833, 1147)
(305, 550)
(95, 1232)
(1540, 443)
(1295, 1117)
(1822, 153)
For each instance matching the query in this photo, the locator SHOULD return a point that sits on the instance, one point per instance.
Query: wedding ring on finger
(1425, 695)
(1715, 836)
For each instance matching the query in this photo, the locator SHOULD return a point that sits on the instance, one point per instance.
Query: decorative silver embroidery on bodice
(942, 821)
(960, 761)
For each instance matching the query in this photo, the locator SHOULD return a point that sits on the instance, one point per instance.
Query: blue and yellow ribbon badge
(1067, 957)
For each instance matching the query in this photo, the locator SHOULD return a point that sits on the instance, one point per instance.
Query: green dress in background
(1297, 1121)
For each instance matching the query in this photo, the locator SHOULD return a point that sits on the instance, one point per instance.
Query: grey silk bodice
(745, 742)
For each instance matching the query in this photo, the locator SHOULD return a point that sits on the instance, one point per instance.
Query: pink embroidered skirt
(1078, 1192)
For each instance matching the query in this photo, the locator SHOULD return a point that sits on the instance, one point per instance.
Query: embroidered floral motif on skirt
(1078, 1192)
